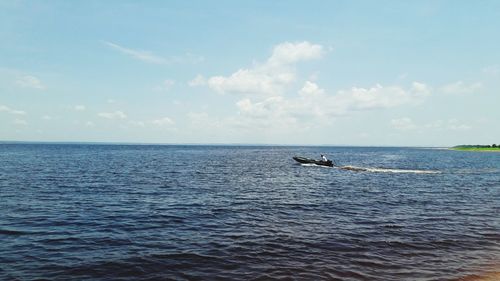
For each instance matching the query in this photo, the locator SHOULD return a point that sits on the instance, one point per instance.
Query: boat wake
(313, 165)
(384, 170)
(374, 170)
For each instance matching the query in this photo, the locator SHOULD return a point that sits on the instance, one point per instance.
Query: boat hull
(304, 160)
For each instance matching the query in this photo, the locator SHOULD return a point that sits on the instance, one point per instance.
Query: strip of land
(486, 148)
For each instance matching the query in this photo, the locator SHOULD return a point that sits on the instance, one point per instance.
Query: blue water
(125, 212)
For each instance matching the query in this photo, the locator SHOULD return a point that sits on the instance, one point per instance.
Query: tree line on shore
(479, 146)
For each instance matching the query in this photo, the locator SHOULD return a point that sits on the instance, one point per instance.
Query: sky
(367, 73)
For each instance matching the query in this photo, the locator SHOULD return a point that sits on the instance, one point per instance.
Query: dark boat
(304, 160)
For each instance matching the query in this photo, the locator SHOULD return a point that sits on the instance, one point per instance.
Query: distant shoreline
(480, 148)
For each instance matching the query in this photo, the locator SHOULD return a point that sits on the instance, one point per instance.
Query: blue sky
(422, 73)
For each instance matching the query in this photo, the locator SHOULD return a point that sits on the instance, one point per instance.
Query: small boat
(304, 160)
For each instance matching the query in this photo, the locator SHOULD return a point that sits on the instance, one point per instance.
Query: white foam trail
(313, 165)
(383, 170)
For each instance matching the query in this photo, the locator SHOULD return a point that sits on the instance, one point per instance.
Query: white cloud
(80, 107)
(288, 53)
(313, 102)
(461, 88)
(311, 89)
(165, 121)
(113, 115)
(403, 124)
(149, 57)
(29, 81)
(270, 78)
(46, 117)
(89, 124)
(253, 81)
(9, 110)
(272, 106)
(165, 85)
(379, 97)
(420, 90)
(314, 106)
(271, 113)
(199, 80)
(358, 99)
(267, 106)
(144, 56)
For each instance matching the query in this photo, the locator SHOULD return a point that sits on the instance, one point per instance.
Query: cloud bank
(269, 100)
(314, 102)
(269, 78)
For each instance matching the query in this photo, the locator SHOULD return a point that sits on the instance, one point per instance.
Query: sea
(229, 212)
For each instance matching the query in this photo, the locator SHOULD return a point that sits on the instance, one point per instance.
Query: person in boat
(323, 158)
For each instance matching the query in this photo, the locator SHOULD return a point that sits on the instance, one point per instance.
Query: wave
(385, 170)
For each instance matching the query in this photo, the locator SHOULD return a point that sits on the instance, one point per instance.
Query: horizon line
(208, 144)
